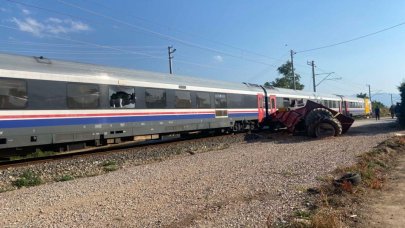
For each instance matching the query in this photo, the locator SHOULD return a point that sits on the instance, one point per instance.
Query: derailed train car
(70, 105)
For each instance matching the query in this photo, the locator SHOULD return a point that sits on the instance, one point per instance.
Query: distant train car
(287, 98)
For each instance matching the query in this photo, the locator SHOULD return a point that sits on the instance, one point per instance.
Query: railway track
(106, 149)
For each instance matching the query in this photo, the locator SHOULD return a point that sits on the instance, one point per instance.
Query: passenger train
(71, 105)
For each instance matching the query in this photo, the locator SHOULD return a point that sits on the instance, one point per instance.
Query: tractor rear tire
(326, 127)
(317, 114)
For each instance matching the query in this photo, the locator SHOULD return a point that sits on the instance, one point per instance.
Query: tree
(401, 116)
(377, 103)
(362, 95)
(287, 79)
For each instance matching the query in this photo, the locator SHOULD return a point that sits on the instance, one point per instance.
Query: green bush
(26, 179)
(110, 166)
(401, 116)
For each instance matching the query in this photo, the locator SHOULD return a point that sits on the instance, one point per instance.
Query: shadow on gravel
(284, 137)
(373, 129)
(280, 137)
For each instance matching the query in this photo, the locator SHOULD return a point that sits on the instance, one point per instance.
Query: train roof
(301, 94)
(98, 72)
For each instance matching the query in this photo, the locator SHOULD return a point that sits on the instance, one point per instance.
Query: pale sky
(240, 41)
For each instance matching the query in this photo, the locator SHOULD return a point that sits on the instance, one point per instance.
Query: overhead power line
(351, 40)
(63, 45)
(93, 44)
(191, 34)
(161, 35)
(125, 51)
(46, 9)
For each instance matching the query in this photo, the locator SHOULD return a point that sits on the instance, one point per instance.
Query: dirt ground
(387, 207)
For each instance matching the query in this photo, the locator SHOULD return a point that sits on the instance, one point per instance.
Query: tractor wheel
(327, 127)
(317, 114)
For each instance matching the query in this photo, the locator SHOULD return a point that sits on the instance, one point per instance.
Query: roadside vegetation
(66, 177)
(333, 204)
(401, 116)
(27, 179)
(110, 166)
(37, 154)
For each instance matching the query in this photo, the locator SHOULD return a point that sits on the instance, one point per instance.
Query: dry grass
(333, 202)
(326, 218)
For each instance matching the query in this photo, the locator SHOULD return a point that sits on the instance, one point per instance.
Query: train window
(46, 95)
(300, 102)
(286, 102)
(155, 98)
(242, 101)
(203, 100)
(83, 96)
(183, 99)
(250, 101)
(220, 100)
(292, 104)
(13, 94)
(121, 97)
(235, 101)
(273, 103)
(280, 102)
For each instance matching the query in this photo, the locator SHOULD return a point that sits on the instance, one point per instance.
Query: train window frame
(46, 94)
(221, 101)
(177, 100)
(118, 103)
(156, 105)
(198, 100)
(4, 97)
(273, 103)
(68, 101)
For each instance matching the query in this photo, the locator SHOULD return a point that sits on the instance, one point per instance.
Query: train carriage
(45, 102)
(70, 105)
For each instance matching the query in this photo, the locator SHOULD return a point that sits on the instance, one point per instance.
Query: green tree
(377, 103)
(401, 116)
(287, 79)
(362, 95)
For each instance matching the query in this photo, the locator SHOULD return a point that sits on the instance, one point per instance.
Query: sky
(239, 41)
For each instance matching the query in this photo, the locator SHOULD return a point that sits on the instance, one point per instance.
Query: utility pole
(312, 64)
(369, 91)
(292, 67)
(392, 102)
(170, 51)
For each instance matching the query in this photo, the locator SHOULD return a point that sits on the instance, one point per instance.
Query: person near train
(392, 111)
(377, 113)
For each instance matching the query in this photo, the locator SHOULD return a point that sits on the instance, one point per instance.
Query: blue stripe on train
(106, 120)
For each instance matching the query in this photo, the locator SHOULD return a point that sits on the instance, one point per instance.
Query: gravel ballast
(245, 183)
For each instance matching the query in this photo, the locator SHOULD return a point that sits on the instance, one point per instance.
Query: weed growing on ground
(37, 154)
(26, 179)
(302, 214)
(109, 166)
(331, 201)
(65, 178)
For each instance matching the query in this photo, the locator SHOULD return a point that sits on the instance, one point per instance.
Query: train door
(260, 106)
(345, 110)
(272, 104)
